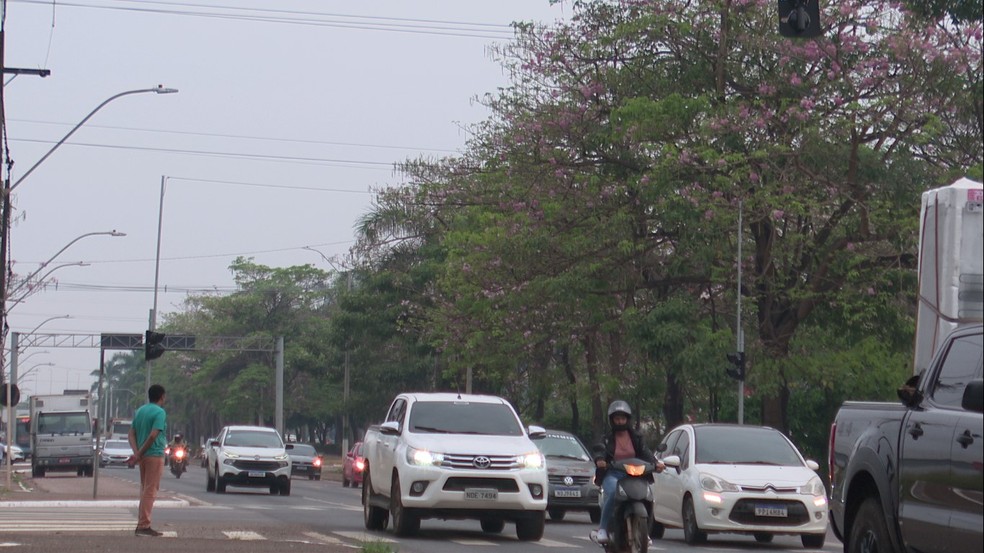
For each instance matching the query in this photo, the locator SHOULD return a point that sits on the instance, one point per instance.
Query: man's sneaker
(599, 536)
(150, 532)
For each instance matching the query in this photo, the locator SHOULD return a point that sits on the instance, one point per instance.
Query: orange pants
(151, 471)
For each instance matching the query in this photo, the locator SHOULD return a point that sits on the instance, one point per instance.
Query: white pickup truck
(454, 456)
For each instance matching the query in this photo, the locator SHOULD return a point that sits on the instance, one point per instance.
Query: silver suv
(248, 456)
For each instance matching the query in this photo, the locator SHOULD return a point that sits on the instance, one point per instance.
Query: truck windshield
(461, 417)
(63, 423)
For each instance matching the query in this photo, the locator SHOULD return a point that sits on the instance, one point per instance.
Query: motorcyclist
(177, 441)
(622, 442)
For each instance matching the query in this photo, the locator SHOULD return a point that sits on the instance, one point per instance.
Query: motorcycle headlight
(424, 458)
(635, 470)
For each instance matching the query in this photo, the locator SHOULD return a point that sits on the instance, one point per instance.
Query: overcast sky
(288, 114)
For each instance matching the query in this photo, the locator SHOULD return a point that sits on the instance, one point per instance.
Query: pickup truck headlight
(532, 460)
(230, 455)
(283, 457)
(424, 458)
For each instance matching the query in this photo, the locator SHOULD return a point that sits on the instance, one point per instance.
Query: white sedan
(728, 478)
(17, 454)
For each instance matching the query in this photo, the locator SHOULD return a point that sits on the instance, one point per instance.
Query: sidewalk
(65, 489)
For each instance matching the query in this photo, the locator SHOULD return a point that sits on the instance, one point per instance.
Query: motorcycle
(628, 530)
(179, 460)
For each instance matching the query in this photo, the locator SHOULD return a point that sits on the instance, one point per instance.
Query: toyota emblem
(568, 481)
(482, 462)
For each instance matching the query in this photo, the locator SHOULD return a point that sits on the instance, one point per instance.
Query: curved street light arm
(158, 90)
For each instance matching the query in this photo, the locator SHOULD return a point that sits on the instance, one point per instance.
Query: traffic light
(14, 394)
(153, 345)
(737, 370)
(799, 18)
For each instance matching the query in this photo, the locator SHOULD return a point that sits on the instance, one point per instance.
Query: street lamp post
(40, 279)
(160, 89)
(9, 188)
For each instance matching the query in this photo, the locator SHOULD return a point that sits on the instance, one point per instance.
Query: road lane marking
(322, 537)
(363, 537)
(245, 535)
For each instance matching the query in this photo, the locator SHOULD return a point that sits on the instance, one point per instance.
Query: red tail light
(360, 465)
(317, 461)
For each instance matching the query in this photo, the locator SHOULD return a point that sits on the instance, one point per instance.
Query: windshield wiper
(432, 429)
(574, 457)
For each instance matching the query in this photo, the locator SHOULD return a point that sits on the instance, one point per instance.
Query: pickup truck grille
(458, 484)
(744, 512)
(486, 462)
(246, 464)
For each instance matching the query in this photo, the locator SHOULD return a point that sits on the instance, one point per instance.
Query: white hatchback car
(728, 478)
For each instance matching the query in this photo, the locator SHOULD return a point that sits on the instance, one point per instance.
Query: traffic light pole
(741, 333)
(157, 271)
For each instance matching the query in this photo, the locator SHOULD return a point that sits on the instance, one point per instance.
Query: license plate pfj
(481, 494)
(768, 511)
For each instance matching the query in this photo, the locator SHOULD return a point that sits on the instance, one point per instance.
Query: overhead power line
(298, 17)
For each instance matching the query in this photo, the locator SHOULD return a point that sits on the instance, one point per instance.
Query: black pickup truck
(909, 476)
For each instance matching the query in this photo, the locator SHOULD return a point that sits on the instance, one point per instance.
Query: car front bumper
(765, 513)
(515, 490)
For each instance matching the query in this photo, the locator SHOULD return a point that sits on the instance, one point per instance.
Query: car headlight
(814, 487)
(230, 455)
(531, 460)
(424, 458)
(283, 457)
(712, 483)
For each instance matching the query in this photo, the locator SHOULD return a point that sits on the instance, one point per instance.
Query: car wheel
(285, 488)
(493, 525)
(556, 514)
(763, 537)
(317, 477)
(531, 528)
(373, 517)
(405, 523)
(595, 514)
(209, 481)
(656, 530)
(345, 482)
(691, 532)
(869, 533)
(274, 489)
(220, 483)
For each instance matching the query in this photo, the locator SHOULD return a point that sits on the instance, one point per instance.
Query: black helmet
(619, 406)
(177, 437)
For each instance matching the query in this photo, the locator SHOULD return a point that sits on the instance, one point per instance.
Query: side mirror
(973, 396)
(814, 466)
(672, 461)
(289, 446)
(536, 432)
(214, 443)
(390, 427)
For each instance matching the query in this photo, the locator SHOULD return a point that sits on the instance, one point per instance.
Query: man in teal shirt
(148, 440)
